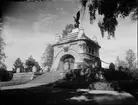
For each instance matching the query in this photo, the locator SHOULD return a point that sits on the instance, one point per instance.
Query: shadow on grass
(53, 93)
(59, 92)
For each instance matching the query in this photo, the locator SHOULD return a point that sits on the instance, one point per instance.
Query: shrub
(84, 74)
(133, 73)
(112, 66)
(5, 75)
(116, 75)
(120, 68)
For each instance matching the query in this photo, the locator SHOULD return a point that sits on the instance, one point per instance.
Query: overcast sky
(29, 27)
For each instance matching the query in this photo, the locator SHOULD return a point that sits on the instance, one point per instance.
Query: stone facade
(73, 50)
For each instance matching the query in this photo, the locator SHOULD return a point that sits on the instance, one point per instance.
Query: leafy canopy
(2, 44)
(18, 64)
(129, 62)
(110, 10)
(30, 62)
(130, 58)
(68, 29)
(47, 57)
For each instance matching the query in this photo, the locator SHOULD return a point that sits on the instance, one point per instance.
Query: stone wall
(77, 49)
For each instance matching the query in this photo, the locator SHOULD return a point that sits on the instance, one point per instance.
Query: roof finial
(76, 20)
(95, 39)
(58, 37)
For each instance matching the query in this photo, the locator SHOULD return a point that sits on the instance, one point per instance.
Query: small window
(92, 51)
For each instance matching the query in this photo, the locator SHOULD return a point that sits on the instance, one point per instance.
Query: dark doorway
(67, 62)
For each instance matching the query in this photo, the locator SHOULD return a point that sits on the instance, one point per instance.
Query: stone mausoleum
(74, 49)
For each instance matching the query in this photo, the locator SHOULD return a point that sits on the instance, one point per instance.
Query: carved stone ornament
(66, 48)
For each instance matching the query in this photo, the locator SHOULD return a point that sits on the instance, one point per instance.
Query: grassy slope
(47, 77)
(52, 94)
(23, 79)
(40, 95)
(43, 94)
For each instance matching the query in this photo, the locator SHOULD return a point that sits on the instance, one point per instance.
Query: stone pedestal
(34, 69)
(18, 70)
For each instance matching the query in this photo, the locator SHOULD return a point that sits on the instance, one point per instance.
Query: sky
(30, 26)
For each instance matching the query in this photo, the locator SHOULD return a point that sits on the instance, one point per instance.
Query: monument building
(74, 49)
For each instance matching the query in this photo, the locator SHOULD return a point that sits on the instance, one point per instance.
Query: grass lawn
(59, 92)
(54, 90)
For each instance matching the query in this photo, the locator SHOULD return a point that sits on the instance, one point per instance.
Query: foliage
(112, 66)
(121, 63)
(68, 29)
(47, 57)
(116, 75)
(130, 58)
(81, 76)
(135, 73)
(18, 64)
(128, 65)
(124, 71)
(30, 62)
(88, 75)
(3, 66)
(38, 67)
(2, 44)
(83, 65)
(84, 74)
(5, 75)
(94, 62)
(135, 64)
(110, 10)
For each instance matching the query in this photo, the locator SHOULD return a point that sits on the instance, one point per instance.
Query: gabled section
(75, 35)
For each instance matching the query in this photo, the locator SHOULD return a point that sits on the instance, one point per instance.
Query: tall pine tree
(47, 57)
(18, 65)
(30, 62)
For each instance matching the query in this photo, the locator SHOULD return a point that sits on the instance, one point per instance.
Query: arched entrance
(66, 63)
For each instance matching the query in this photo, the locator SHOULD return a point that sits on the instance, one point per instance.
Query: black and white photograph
(68, 52)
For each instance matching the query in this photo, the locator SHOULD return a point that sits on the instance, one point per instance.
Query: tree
(112, 66)
(2, 44)
(5, 75)
(129, 62)
(30, 62)
(47, 57)
(130, 58)
(136, 64)
(121, 63)
(110, 10)
(68, 29)
(18, 64)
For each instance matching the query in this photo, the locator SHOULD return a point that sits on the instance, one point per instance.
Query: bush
(116, 75)
(84, 75)
(134, 73)
(112, 66)
(5, 75)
